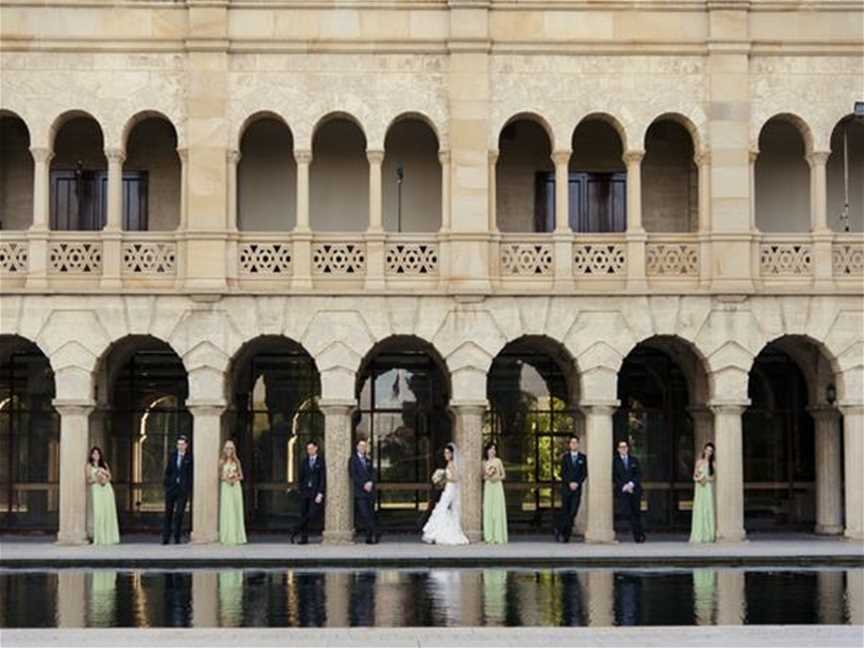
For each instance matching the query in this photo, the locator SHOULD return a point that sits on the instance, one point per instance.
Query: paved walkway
(659, 550)
(762, 636)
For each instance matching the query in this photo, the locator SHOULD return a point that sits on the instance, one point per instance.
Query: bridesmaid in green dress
(494, 504)
(232, 529)
(98, 477)
(703, 526)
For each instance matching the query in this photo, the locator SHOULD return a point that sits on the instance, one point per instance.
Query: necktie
(179, 461)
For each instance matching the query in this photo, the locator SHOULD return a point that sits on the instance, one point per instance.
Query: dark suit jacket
(361, 472)
(621, 476)
(312, 481)
(178, 480)
(573, 472)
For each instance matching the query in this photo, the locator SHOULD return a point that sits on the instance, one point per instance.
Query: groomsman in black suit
(362, 474)
(627, 476)
(313, 484)
(178, 487)
(574, 471)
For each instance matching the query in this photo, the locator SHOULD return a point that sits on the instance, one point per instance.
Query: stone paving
(762, 636)
(403, 550)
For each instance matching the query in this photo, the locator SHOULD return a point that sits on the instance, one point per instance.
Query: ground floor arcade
(775, 382)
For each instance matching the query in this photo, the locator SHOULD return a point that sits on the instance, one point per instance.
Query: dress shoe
(557, 536)
(303, 541)
(370, 540)
(377, 538)
(640, 538)
(164, 541)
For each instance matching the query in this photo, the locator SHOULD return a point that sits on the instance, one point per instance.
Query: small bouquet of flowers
(231, 473)
(439, 477)
(101, 476)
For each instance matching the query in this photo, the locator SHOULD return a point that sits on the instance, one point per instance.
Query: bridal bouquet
(102, 476)
(439, 477)
(231, 472)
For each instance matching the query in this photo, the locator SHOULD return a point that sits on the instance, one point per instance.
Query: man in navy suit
(362, 474)
(627, 476)
(574, 471)
(178, 486)
(312, 485)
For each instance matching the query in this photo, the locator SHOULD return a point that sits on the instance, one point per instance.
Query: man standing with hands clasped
(363, 480)
(628, 487)
(313, 484)
(574, 471)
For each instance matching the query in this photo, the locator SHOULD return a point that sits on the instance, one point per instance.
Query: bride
(444, 526)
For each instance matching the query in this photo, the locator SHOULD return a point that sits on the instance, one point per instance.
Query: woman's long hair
(101, 463)
(223, 456)
(711, 458)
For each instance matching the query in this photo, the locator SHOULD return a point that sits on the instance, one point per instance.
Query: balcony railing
(284, 261)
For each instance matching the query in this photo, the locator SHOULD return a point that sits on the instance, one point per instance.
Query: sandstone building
(424, 220)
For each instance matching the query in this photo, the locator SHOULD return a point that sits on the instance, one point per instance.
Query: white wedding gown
(444, 526)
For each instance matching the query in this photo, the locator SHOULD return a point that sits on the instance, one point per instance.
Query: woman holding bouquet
(98, 477)
(494, 504)
(232, 528)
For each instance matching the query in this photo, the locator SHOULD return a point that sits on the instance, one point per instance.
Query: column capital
(561, 157)
(493, 156)
(728, 409)
(817, 158)
(599, 408)
(444, 157)
(41, 154)
(115, 154)
(183, 153)
(206, 408)
(66, 407)
(375, 156)
(852, 409)
(697, 411)
(702, 158)
(302, 156)
(336, 407)
(633, 156)
(233, 156)
(469, 407)
(752, 154)
(824, 412)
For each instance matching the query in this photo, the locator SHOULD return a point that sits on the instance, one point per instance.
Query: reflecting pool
(429, 597)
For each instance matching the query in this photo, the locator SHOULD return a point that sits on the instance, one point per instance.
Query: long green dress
(702, 527)
(105, 528)
(494, 504)
(232, 529)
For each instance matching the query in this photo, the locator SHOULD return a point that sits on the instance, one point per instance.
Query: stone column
(493, 189)
(444, 160)
(633, 160)
(730, 471)
(562, 191)
(636, 237)
(41, 187)
(112, 239)
(752, 155)
(853, 447)
(375, 239)
(818, 191)
(337, 596)
(855, 595)
(598, 432)
(233, 159)
(74, 444)
(829, 461)
(205, 599)
(301, 261)
(376, 216)
(37, 237)
(303, 160)
(206, 445)
(469, 441)
(183, 154)
(338, 500)
(72, 597)
(703, 164)
(114, 218)
(601, 596)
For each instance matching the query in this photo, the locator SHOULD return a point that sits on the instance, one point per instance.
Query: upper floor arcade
(335, 209)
